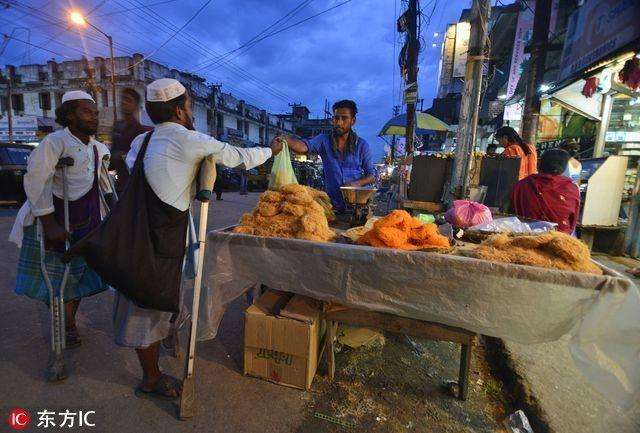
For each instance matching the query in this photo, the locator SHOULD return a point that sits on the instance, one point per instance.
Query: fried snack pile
(555, 250)
(291, 212)
(322, 198)
(400, 230)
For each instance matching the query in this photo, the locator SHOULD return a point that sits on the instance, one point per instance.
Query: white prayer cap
(76, 94)
(164, 89)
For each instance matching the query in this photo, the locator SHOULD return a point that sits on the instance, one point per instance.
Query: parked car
(13, 166)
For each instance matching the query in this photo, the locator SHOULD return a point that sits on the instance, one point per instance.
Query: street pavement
(103, 376)
(562, 396)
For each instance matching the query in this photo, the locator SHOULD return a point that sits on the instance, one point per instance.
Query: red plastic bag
(465, 213)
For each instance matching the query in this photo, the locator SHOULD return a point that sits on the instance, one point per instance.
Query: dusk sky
(347, 52)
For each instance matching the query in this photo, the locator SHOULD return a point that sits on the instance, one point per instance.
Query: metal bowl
(357, 195)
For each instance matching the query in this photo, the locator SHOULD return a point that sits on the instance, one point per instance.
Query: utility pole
(470, 104)
(537, 62)
(394, 138)
(9, 102)
(411, 89)
(10, 106)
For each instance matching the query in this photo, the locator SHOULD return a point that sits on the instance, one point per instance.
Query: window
(17, 102)
(3, 103)
(239, 124)
(45, 100)
(105, 98)
(43, 76)
(58, 99)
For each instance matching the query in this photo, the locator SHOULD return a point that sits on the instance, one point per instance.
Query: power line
(204, 5)
(284, 18)
(277, 32)
(4, 35)
(192, 42)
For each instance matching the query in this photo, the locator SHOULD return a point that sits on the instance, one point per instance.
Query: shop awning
(426, 124)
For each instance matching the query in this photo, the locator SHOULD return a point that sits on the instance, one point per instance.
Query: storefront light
(545, 88)
(502, 97)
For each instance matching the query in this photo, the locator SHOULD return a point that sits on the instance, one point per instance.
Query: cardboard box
(282, 339)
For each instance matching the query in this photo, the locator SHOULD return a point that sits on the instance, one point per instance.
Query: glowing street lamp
(79, 20)
(76, 18)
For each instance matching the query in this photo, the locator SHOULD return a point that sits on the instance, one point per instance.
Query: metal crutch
(56, 369)
(105, 167)
(207, 177)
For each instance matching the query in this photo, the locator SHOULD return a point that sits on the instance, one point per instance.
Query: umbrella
(425, 124)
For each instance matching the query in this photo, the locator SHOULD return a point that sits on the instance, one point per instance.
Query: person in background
(514, 146)
(78, 115)
(548, 195)
(574, 167)
(346, 158)
(124, 131)
(244, 181)
(218, 186)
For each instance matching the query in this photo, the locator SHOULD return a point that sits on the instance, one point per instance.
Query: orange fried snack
(401, 230)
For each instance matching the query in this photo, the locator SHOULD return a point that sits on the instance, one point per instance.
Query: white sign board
(463, 33)
(24, 128)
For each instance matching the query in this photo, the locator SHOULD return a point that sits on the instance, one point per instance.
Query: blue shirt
(340, 169)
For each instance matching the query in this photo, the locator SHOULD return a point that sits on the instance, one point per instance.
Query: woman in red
(514, 146)
(548, 195)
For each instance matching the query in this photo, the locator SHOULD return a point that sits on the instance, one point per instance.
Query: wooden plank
(427, 206)
(465, 366)
(402, 325)
(331, 350)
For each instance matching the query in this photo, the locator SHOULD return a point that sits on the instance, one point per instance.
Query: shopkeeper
(346, 158)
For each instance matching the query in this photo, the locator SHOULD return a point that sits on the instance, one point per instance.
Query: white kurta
(171, 164)
(174, 155)
(42, 181)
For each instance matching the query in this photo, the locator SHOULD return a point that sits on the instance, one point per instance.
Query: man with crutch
(64, 184)
(171, 155)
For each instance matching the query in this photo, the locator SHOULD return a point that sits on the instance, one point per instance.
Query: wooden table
(390, 323)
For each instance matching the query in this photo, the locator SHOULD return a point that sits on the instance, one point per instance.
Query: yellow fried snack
(268, 209)
(272, 196)
(294, 188)
(314, 223)
(246, 220)
(247, 230)
(554, 250)
(292, 209)
(292, 215)
(303, 198)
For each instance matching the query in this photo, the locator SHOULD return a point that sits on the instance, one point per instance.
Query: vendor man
(346, 158)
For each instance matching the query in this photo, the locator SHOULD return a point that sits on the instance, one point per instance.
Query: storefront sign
(24, 128)
(463, 32)
(446, 60)
(524, 31)
(597, 29)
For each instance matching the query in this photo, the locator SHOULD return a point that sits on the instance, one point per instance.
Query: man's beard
(339, 132)
(87, 129)
(188, 123)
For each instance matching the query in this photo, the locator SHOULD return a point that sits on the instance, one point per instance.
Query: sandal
(166, 388)
(634, 272)
(72, 339)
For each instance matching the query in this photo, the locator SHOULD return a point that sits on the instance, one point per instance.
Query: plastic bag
(514, 225)
(282, 171)
(466, 213)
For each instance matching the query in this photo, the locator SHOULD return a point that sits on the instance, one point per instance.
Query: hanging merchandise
(630, 73)
(590, 86)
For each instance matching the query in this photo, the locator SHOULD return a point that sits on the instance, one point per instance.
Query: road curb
(516, 385)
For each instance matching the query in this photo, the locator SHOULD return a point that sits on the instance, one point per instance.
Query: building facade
(37, 91)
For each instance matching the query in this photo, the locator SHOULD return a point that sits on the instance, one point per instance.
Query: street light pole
(78, 19)
(113, 79)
